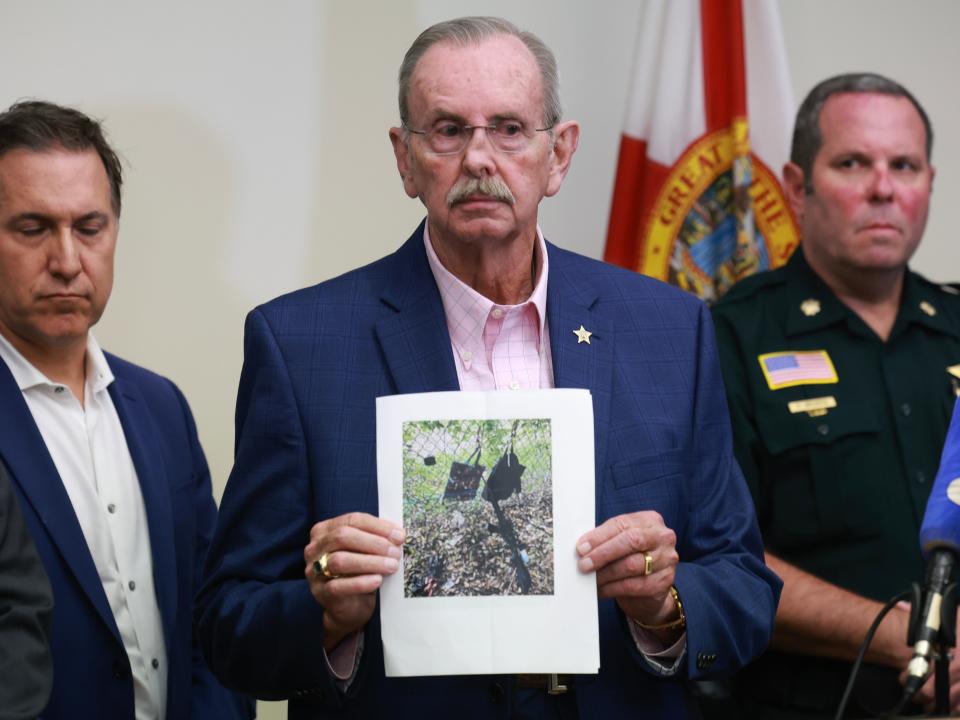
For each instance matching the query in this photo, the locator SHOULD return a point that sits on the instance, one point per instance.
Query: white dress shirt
(90, 451)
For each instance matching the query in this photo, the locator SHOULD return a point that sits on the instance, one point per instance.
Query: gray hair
(471, 31)
(806, 132)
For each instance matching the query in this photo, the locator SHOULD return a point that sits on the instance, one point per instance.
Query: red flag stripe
(637, 183)
(724, 75)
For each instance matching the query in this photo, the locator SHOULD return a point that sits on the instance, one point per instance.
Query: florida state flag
(697, 202)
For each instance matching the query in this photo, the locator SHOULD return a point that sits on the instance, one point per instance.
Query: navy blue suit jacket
(315, 361)
(91, 670)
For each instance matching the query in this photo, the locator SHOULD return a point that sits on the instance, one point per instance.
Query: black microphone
(940, 541)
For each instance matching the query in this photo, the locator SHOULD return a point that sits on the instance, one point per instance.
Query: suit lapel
(34, 471)
(571, 304)
(141, 433)
(415, 340)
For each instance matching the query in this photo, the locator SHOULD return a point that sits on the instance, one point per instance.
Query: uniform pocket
(815, 477)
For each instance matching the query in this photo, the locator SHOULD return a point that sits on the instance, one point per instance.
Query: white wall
(255, 135)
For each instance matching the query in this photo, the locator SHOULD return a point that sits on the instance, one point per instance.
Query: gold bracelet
(679, 622)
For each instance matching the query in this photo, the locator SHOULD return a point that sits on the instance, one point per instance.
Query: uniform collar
(811, 305)
(921, 304)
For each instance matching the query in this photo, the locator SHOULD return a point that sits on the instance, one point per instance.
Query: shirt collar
(479, 307)
(98, 374)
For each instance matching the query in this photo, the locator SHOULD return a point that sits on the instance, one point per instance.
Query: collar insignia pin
(810, 307)
(928, 308)
(583, 335)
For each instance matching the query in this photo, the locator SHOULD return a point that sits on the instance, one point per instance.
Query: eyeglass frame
(491, 134)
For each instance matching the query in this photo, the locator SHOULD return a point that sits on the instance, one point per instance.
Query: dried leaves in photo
(478, 508)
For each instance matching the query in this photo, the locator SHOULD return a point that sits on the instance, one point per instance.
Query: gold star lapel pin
(928, 308)
(583, 335)
(810, 307)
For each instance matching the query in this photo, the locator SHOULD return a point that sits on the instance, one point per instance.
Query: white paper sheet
(434, 621)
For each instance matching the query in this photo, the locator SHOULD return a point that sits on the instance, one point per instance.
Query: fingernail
(393, 551)
(396, 535)
(583, 548)
(585, 565)
(391, 564)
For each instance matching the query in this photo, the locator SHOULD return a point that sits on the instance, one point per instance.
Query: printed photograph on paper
(478, 508)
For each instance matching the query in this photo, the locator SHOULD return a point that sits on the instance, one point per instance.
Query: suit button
(496, 693)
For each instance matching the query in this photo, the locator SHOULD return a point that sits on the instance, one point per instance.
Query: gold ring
(321, 567)
(647, 563)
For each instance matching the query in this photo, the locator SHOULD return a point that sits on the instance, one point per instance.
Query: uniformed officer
(841, 370)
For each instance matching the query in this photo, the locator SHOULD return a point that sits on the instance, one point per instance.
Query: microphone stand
(948, 639)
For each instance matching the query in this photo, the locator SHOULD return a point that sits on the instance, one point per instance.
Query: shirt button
(514, 385)
(823, 429)
(155, 663)
(132, 585)
(111, 508)
(58, 389)
(921, 478)
(905, 409)
(467, 356)
(497, 313)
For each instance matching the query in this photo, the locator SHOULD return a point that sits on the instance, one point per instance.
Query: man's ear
(566, 137)
(401, 150)
(794, 185)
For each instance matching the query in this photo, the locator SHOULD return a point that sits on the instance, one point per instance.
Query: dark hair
(40, 126)
(472, 31)
(806, 132)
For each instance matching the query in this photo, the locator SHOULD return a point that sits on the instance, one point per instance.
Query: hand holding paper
(346, 560)
(635, 559)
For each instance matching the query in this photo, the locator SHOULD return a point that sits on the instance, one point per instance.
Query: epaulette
(751, 285)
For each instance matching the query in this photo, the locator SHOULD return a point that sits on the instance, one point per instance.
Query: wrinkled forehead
(496, 77)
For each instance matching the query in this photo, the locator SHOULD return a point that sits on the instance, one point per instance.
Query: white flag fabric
(697, 202)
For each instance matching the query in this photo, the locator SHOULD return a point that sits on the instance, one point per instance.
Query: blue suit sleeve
(259, 625)
(729, 594)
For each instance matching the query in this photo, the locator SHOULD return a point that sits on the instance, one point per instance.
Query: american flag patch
(807, 367)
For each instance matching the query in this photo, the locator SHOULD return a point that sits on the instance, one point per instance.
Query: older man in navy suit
(477, 299)
(103, 454)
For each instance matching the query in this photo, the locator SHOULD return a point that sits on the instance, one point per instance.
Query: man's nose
(479, 153)
(881, 184)
(64, 254)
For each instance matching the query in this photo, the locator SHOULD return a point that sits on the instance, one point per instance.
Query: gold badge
(583, 335)
(928, 308)
(810, 307)
(814, 407)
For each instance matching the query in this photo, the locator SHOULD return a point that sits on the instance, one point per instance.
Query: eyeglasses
(448, 137)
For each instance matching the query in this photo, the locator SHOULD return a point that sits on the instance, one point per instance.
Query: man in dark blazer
(103, 454)
(465, 303)
(26, 602)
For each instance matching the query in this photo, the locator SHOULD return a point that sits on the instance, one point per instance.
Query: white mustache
(491, 187)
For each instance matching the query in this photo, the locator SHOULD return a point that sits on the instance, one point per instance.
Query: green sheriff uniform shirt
(839, 437)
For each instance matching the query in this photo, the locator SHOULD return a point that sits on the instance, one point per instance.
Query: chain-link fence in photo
(477, 508)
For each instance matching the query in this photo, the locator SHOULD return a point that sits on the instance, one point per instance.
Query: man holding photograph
(465, 304)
